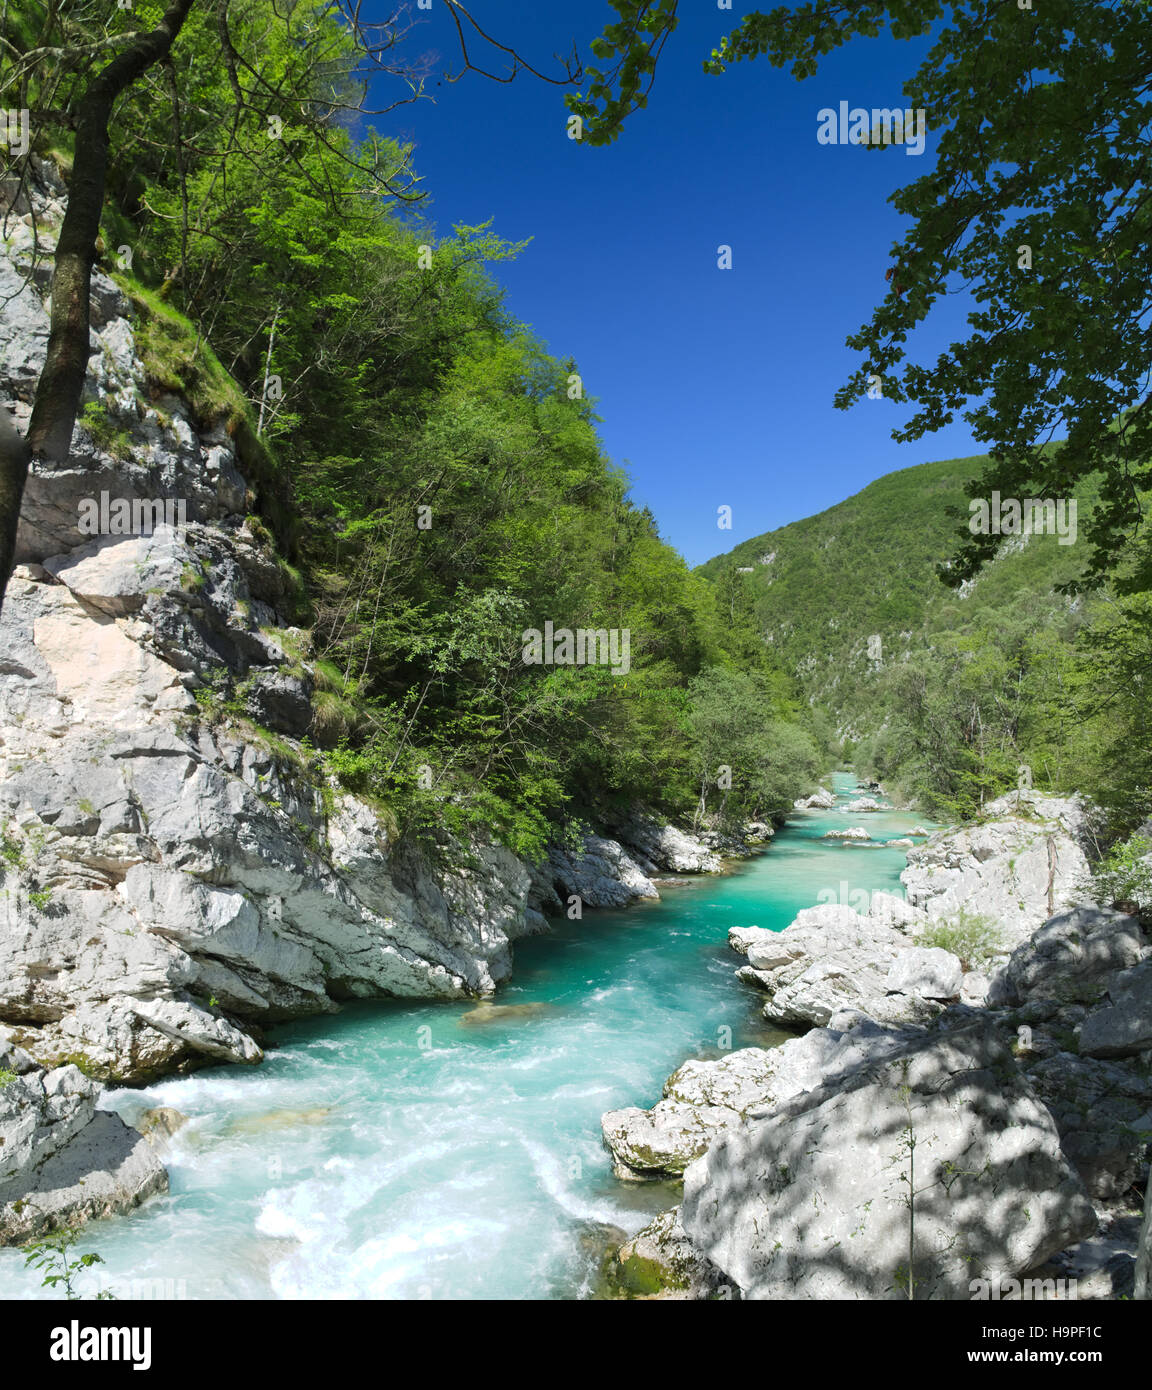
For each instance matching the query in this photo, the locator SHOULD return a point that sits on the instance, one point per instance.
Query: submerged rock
(160, 1124)
(281, 1119)
(485, 1012)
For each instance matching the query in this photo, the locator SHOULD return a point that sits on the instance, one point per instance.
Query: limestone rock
(1018, 866)
(603, 874)
(1070, 957)
(661, 1262)
(809, 1202)
(40, 1112)
(107, 1169)
(1143, 1272)
(1124, 1029)
(927, 972)
(160, 1124)
(175, 879)
(665, 846)
(281, 701)
(705, 1098)
(823, 800)
(115, 573)
(974, 989)
(832, 958)
(700, 1100)
(63, 1161)
(1103, 1111)
(1103, 1266)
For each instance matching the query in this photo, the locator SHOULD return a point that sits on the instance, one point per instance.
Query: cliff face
(170, 881)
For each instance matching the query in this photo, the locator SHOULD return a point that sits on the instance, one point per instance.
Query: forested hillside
(953, 694)
(428, 475)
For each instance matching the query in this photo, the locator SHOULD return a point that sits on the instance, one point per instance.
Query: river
(448, 1150)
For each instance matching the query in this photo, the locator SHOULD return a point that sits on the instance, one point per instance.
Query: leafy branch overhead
(1037, 207)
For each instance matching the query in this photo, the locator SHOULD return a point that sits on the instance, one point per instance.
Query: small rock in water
(281, 1119)
(822, 800)
(493, 1013)
(159, 1125)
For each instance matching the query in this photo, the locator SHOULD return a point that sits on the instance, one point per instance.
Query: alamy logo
(76, 1343)
(1009, 517)
(878, 126)
(584, 647)
(138, 516)
(996, 1287)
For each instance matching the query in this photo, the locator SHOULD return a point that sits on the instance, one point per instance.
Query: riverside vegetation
(286, 283)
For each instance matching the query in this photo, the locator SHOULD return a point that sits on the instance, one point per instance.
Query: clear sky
(714, 386)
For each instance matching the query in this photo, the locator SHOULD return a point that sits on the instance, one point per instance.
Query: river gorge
(446, 1150)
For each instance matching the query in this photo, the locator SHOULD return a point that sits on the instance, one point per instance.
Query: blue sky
(714, 387)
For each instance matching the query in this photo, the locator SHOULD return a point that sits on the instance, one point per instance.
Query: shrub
(51, 1255)
(975, 939)
(105, 435)
(1125, 873)
(333, 717)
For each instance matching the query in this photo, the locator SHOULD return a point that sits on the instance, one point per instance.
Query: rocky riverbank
(1018, 1062)
(63, 1160)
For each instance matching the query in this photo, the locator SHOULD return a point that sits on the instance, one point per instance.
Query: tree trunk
(61, 383)
(14, 455)
(1144, 1250)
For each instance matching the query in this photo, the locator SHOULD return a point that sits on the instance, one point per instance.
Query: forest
(427, 471)
(1021, 676)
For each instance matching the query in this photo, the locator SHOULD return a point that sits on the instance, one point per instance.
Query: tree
(1039, 205)
(309, 65)
(62, 378)
(749, 758)
(1143, 1287)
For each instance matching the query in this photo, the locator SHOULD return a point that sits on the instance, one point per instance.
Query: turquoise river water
(446, 1150)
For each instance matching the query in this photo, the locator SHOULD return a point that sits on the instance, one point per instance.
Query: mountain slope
(825, 588)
